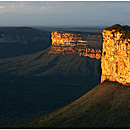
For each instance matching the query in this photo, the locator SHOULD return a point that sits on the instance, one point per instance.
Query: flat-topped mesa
(66, 38)
(115, 61)
(75, 42)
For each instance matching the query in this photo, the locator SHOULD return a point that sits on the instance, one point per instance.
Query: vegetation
(42, 64)
(118, 27)
(36, 84)
(125, 30)
(105, 106)
(26, 98)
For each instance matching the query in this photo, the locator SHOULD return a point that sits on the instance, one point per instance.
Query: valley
(39, 83)
(24, 99)
(64, 65)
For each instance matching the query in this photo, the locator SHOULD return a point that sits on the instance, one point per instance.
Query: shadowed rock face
(85, 44)
(116, 54)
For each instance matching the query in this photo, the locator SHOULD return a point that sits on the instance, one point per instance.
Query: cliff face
(116, 54)
(67, 39)
(83, 44)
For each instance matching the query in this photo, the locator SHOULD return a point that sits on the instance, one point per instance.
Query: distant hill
(16, 41)
(81, 29)
(105, 106)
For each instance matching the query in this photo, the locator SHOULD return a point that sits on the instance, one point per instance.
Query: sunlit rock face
(115, 61)
(83, 44)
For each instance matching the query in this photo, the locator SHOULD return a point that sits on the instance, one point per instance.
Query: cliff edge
(115, 61)
(84, 44)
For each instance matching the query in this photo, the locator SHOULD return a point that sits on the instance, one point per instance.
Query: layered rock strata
(80, 43)
(115, 61)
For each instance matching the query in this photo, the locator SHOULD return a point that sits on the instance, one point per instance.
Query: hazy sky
(64, 13)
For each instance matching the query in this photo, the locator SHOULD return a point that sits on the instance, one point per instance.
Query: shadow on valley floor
(37, 84)
(24, 98)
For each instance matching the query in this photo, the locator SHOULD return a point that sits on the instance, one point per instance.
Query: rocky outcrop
(115, 62)
(67, 39)
(84, 44)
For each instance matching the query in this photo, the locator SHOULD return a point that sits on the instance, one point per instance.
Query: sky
(64, 13)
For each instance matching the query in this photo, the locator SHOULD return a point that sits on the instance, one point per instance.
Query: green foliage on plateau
(105, 106)
(125, 30)
(118, 27)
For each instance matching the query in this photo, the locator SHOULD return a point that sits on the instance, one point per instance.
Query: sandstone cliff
(84, 44)
(115, 62)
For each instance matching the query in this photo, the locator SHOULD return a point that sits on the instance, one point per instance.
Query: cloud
(1, 7)
(44, 7)
(17, 5)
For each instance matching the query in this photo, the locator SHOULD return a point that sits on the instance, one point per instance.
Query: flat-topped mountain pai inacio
(116, 54)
